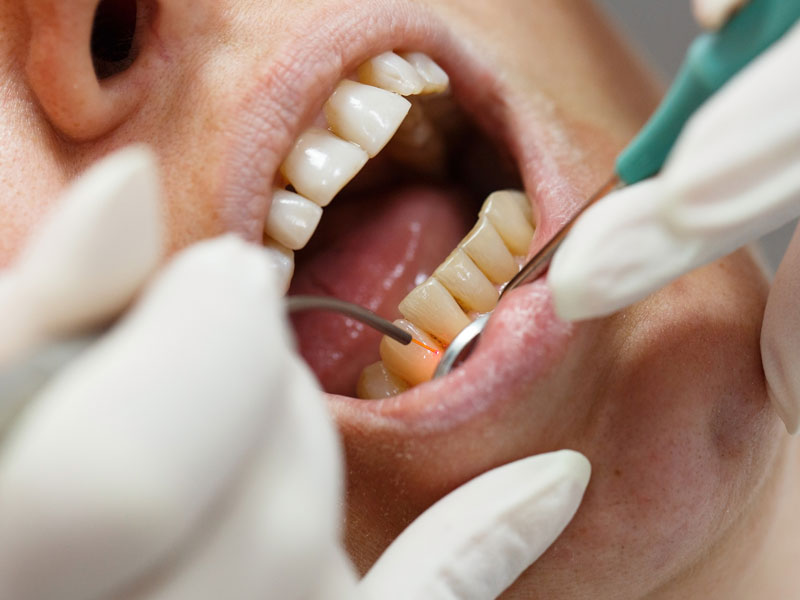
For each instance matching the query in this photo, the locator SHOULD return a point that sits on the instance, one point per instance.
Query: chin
(666, 400)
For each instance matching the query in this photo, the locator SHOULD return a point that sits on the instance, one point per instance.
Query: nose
(81, 62)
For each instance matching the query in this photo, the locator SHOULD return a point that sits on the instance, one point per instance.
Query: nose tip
(63, 73)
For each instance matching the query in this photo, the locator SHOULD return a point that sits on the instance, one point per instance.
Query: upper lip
(301, 75)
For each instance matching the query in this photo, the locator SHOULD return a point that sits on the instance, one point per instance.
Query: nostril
(113, 41)
(78, 52)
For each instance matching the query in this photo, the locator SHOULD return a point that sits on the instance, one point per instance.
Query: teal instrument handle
(712, 59)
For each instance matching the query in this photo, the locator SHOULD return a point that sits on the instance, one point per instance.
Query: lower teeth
(458, 292)
(361, 117)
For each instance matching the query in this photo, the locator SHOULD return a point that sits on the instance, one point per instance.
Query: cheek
(682, 438)
(31, 173)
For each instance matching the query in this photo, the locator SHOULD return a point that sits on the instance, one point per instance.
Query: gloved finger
(123, 455)
(780, 338)
(273, 534)
(617, 253)
(734, 171)
(701, 206)
(475, 542)
(93, 253)
(713, 14)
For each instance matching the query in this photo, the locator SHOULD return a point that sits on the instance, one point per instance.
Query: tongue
(372, 252)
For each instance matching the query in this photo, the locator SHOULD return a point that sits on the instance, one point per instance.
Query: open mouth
(387, 201)
(397, 194)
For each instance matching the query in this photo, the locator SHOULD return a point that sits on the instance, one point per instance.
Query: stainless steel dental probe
(23, 380)
(711, 61)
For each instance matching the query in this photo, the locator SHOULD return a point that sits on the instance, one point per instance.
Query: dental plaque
(361, 118)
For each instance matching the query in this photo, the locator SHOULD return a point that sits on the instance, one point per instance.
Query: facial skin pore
(691, 468)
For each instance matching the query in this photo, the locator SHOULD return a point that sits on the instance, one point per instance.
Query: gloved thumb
(102, 241)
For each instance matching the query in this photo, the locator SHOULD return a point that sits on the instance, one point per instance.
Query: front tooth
(391, 72)
(321, 164)
(411, 363)
(436, 80)
(377, 382)
(292, 219)
(282, 263)
(467, 283)
(365, 115)
(486, 248)
(504, 212)
(431, 307)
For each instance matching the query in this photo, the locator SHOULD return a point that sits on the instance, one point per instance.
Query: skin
(693, 475)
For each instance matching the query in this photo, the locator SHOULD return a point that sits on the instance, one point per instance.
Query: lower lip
(522, 343)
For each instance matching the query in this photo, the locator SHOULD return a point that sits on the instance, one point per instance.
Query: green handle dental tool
(711, 61)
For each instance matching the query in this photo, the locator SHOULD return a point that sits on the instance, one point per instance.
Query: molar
(436, 80)
(430, 307)
(321, 164)
(365, 115)
(292, 219)
(504, 211)
(418, 144)
(393, 73)
(412, 363)
(467, 283)
(377, 382)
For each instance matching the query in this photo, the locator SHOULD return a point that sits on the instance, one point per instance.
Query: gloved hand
(733, 176)
(188, 454)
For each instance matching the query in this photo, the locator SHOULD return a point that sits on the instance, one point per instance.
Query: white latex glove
(188, 453)
(733, 176)
(474, 543)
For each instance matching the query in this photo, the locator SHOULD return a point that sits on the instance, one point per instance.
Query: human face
(666, 398)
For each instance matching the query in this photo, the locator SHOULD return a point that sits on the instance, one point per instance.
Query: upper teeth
(362, 117)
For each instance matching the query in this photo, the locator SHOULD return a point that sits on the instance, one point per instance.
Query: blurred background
(661, 30)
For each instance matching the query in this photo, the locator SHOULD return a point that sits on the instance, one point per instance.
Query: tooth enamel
(465, 281)
(292, 219)
(487, 250)
(412, 363)
(430, 307)
(377, 382)
(521, 200)
(321, 164)
(480, 260)
(503, 210)
(391, 72)
(436, 80)
(365, 115)
(282, 263)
